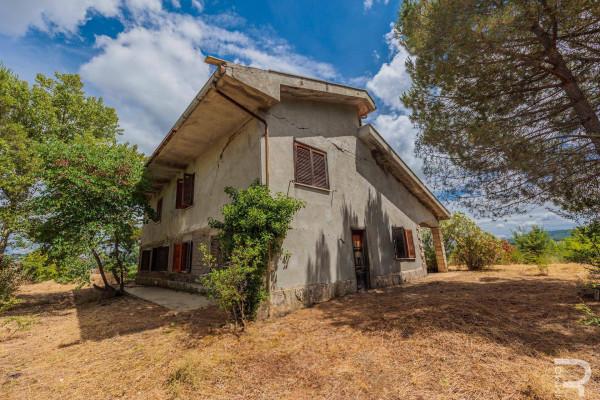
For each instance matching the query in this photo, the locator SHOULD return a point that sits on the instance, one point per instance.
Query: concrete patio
(170, 299)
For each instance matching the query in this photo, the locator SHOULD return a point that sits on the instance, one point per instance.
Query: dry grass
(459, 335)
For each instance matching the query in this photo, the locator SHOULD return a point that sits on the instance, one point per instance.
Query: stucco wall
(231, 161)
(362, 196)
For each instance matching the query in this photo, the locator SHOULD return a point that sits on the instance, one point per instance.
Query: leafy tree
(535, 245)
(254, 226)
(52, 109)
(505, 94)
(92, 202)
(467, 244)
(583, 246)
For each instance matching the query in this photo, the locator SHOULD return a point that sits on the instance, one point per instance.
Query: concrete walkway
(168, 298)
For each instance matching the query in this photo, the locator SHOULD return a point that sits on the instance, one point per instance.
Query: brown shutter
(319, 164)
(410, 244)
(188, 190)
(159, 205)
(303, 165)
(179, 194)
(177, 257)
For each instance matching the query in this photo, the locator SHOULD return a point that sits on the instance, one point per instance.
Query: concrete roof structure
(218, 110)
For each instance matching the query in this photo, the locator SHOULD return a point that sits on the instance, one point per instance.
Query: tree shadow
(532, 316)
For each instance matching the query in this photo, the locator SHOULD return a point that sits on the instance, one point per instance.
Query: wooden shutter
(145, 260)
(410, 244)
(319, 166)
(399, 242)
(159, 205)
(303, 164)
(188, 190)
(310, 166)
(177, 257)
(179, 194)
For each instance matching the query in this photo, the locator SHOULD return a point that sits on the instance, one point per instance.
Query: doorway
(361, 259)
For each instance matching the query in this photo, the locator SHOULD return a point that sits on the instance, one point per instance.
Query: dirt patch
(458, 335)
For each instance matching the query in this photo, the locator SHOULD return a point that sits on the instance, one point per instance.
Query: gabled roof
(388, 159)
(202, 123)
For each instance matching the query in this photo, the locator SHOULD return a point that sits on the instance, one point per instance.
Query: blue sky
(145, 57)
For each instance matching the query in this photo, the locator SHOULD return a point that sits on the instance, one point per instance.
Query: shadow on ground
(531, 315)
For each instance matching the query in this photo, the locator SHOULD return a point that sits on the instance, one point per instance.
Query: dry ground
(459, 335)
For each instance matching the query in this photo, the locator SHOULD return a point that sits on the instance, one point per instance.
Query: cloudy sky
(145, 57)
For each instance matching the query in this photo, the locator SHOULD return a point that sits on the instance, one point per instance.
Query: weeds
(590, 318)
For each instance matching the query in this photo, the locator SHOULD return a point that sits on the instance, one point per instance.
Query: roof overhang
(388, 159)
(218, 110)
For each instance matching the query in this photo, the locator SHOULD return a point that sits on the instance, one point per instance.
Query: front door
(361, 259)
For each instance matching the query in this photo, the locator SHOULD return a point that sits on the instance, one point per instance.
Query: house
(365, 209)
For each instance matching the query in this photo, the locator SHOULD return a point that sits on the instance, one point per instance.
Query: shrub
(589, 317)
(469, 245)
(10, 278)
(37, 268)
(533, 245)
(583, 246)
(251, 233)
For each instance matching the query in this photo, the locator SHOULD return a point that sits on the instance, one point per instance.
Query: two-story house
(304, 137)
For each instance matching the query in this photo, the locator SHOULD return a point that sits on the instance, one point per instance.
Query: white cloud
(51, 16)
(399, 132)
(152, 70)
(392, 79)
(368, 4)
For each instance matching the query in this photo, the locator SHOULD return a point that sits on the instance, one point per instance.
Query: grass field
(458, 335)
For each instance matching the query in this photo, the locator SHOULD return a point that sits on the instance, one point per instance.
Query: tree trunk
(119, 266)
(582, 107)
(107, 286)
(4, 244)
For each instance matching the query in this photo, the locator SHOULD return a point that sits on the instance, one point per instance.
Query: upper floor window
(185, 191)
(404, 245)
(310, 166)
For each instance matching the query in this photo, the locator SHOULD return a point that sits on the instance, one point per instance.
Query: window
(160, 258)
(404, 245)
(182, 257)
(145, 260)
(310, 166)
(184, 197)
(158, 210)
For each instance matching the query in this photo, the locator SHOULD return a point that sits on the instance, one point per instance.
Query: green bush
(467, 244)
(37, 268)
(251, 233)
(535, 246)
(10, 278)
(583, 246)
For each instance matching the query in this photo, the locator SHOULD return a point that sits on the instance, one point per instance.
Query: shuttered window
(184, 196)
(310, 166)
(160, 258)
(404, 245)
(182, 257)
(145, 260)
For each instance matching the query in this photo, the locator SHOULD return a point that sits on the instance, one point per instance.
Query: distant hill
(560, 234)
(556, 235)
